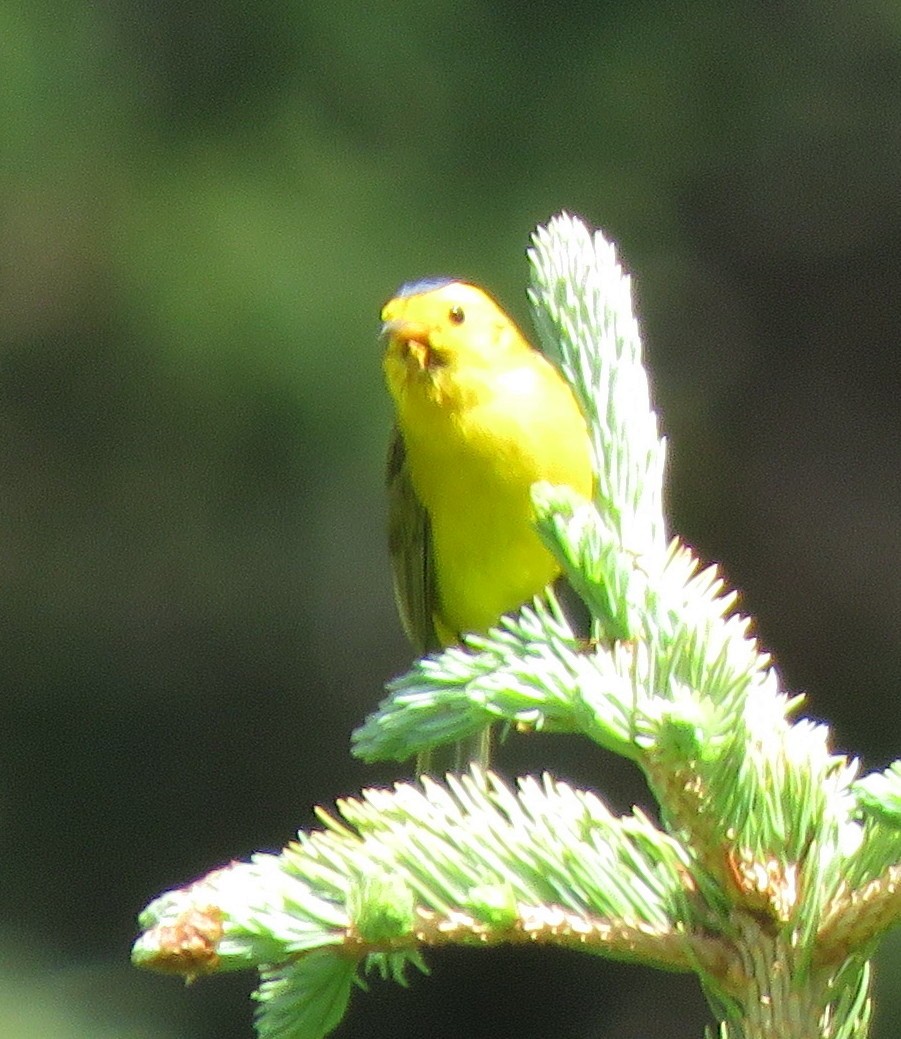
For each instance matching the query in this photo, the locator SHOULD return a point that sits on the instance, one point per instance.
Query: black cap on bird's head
(421, 285)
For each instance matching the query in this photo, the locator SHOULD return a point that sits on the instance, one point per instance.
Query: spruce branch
(774, 869)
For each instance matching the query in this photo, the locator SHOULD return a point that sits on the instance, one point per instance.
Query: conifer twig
(774, 869)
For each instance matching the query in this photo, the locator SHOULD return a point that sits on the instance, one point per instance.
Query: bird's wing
(410, 544)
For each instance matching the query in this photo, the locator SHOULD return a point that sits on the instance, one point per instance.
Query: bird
(480, 416)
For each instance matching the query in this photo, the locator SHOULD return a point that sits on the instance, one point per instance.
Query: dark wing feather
(410, 544)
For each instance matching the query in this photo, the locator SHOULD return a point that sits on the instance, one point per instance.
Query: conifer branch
(774, 869)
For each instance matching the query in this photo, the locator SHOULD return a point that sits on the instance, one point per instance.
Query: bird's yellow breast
(474, 454)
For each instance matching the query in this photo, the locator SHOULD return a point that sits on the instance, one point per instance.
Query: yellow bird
(481, 415)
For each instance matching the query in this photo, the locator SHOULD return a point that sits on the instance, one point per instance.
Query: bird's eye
(456, 315)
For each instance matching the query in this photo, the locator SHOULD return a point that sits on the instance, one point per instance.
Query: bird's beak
(408, 340)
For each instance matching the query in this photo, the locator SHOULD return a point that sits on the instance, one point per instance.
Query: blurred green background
(202, 208)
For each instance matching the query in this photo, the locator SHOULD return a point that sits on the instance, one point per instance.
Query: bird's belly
(488, 560)
(474, 475)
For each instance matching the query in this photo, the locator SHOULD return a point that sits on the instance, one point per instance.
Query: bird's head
(439, 329)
